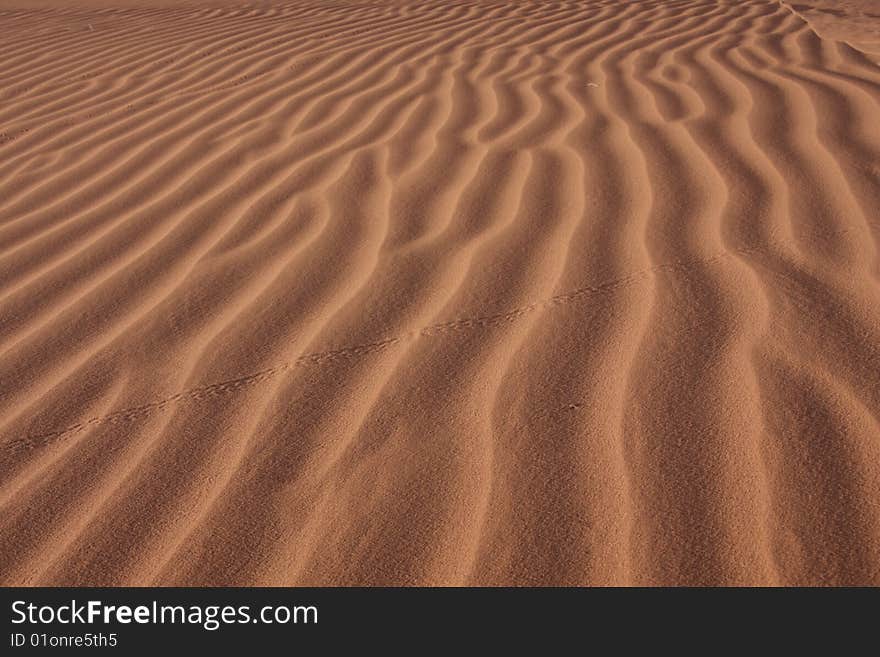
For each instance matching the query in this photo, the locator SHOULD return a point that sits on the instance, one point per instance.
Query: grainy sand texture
(468, 292)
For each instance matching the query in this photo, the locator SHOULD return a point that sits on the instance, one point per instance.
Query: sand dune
(580, 292)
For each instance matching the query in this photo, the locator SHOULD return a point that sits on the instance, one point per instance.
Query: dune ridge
(578, 292)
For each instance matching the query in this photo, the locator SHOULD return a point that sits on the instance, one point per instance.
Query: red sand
(439, 292)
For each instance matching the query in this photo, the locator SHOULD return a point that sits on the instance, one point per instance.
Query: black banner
(124, 620)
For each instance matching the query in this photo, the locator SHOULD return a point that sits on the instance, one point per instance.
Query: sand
(442, 293)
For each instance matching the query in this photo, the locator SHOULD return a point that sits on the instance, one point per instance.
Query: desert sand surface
(440, 293)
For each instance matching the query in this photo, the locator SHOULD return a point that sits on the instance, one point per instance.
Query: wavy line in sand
(231, 385)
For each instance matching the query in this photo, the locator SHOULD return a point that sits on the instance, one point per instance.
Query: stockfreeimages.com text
(210, 617)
